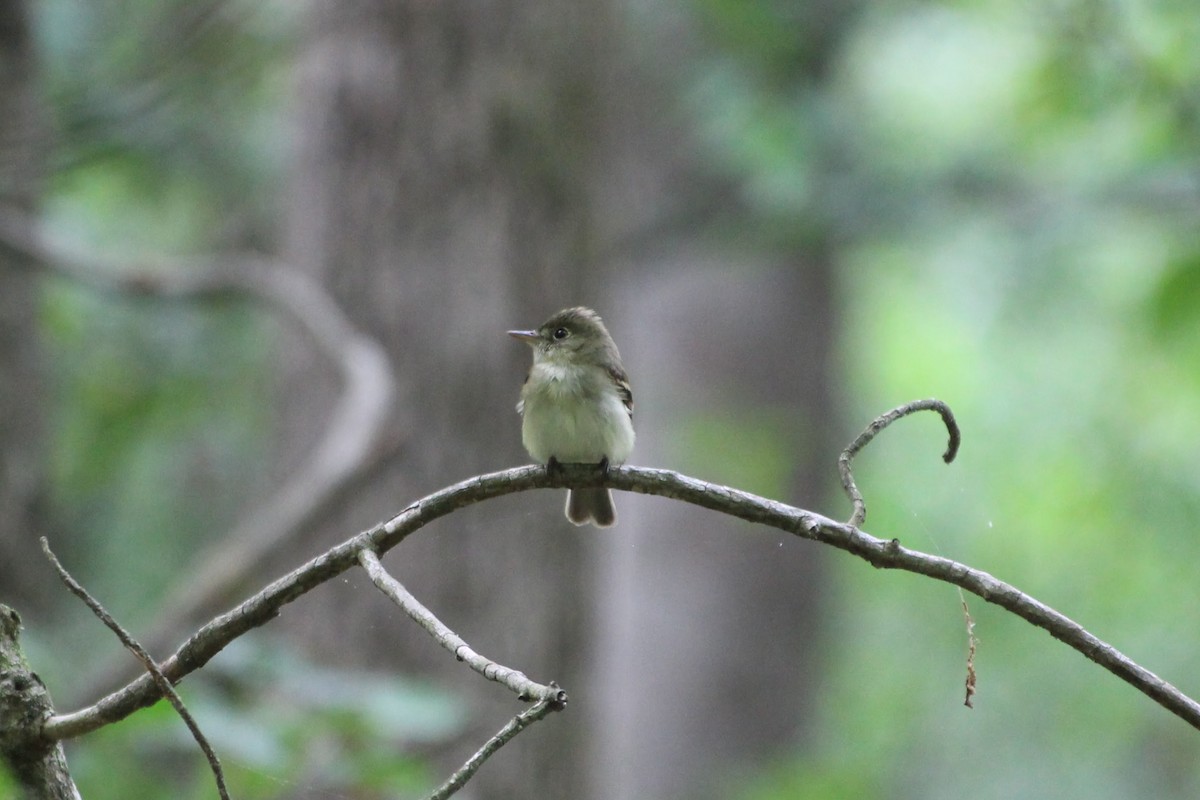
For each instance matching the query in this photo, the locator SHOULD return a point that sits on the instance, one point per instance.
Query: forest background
(793, 216)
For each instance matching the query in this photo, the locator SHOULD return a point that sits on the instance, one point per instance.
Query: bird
(576, 405)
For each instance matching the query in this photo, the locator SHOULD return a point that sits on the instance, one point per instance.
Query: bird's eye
(561, 333)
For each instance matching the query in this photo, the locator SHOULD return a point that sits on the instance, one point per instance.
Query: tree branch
(885, 554)
(148, 662)
(515, 680)
(517, 724)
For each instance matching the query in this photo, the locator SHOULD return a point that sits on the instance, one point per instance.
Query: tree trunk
(39, 767)
(22, 390)
(441, 192)
(717, 621)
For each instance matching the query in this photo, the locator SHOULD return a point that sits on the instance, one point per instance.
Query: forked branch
(549, 697)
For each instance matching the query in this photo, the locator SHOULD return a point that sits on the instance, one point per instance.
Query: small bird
(576, 405)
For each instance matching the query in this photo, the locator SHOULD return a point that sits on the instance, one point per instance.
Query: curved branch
(882, 553)
(352, 439)
(879, 423)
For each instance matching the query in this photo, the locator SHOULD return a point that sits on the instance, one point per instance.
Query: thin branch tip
(955, 435)
(859, 516)
(517, 724)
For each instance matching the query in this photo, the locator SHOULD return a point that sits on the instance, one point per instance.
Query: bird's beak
(529, 337)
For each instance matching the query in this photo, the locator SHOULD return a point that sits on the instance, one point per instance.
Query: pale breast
(575, 419)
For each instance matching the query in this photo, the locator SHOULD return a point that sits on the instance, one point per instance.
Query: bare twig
(885, 554)
(515, 680)
(879, 423)
(148, 662)
(517, 724)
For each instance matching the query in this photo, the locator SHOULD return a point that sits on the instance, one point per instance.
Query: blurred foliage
(146, 441)
(280, 725)
(167, 113)
(764, 442)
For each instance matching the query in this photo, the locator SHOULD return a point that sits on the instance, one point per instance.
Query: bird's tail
(591, 505)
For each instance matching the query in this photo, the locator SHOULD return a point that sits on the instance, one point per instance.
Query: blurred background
(792, 215)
